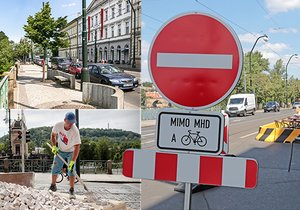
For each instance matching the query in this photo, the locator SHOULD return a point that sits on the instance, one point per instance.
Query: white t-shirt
(66, 139)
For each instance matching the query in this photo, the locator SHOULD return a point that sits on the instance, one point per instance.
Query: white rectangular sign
(190, 131)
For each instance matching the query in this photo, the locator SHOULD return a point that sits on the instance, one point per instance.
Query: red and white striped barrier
(190, 168)
(226, 134)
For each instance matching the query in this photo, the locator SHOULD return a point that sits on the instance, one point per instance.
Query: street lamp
(85, 77)
(265, 38)
(134, 33)
(286, 76)
(95, 58)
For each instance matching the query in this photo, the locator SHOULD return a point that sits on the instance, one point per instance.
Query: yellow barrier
(271, 133)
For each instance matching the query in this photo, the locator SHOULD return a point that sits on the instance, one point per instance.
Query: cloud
(69, 5)
(277, 6)
(283, 30)
(277, 47)
(273, 51)
(145, 48)
(248, 37)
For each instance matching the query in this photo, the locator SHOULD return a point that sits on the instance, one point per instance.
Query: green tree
(22, 49)
(45, 31)
(6, 53)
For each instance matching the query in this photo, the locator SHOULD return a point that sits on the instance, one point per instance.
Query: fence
(4, 93)
(44, 165)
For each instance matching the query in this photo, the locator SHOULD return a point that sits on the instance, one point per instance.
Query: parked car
(111, 75)
(272, 106)
(241, 104)
(296, 105)
(75, 68)
(60, 63)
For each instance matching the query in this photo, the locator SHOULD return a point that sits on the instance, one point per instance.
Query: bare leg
(54, 177)
(72, 181)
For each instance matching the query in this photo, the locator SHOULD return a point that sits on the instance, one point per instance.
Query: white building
(114, 43)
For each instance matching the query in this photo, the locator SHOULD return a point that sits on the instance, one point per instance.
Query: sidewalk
(32, 93)
(107, 178)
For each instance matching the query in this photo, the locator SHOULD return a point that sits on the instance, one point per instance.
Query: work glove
(71, 165)
(54, 150)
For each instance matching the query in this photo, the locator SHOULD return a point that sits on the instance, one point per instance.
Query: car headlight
(135, 79)
(114, 81)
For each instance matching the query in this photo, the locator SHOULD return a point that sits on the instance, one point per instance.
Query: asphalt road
(276, 189)
(131, 97)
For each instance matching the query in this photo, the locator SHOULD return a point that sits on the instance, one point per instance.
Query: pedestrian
(66, 142)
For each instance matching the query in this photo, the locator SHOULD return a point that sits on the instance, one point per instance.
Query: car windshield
(236, 101)
(271, 103)
(62, 60)
(296, 103)
(110, 69)
(78, 65)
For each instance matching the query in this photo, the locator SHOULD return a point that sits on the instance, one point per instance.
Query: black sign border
(190, 150)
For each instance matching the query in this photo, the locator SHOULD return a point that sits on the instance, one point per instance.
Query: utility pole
(78, 158)
(134, 33)
(85, 73)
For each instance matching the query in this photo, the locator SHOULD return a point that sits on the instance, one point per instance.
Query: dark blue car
(111, 75)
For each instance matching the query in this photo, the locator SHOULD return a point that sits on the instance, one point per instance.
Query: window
(106, 15)
(127, 27)
(112, 31)
(119, 29)
(92, 36)
(128, 7)
(96, 20)
(112, 13)
(105, 33)
(120, 9)
(92, 21)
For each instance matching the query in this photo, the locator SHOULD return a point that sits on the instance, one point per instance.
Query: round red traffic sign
(195, 60)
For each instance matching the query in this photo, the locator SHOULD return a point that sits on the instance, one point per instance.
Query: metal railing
(4, 93)
(44, 166)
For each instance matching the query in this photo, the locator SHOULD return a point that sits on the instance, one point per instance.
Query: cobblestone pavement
(126, 192)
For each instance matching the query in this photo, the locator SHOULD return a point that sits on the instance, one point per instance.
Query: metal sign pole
(187, 196)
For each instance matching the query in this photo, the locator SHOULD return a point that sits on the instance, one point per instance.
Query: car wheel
(244, 113)
(253, 112)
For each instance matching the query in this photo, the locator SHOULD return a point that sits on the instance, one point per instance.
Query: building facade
(71, 30)
(110, 39)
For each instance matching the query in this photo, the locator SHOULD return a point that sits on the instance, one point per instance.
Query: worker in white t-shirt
(66, 136)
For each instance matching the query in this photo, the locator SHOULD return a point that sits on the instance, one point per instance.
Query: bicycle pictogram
(197, 139)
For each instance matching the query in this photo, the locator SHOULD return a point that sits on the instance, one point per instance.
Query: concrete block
(104, 96)
(26, 179)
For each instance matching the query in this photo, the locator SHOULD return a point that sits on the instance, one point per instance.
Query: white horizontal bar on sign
(184, 60)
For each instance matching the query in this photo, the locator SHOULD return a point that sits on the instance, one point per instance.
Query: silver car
(296, 105)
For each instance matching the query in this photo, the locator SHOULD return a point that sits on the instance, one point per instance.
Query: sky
(120, 119)
(278, 19)
(14, 13)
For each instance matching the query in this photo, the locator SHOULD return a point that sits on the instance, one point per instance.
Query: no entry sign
(195, 60)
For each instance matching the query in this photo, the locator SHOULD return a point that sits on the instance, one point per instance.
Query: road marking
(251, 134)
(147, 142)
(185, 60)
(149, 134)
(236, 120)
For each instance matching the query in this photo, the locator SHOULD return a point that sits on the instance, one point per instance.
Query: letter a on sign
(173, 138)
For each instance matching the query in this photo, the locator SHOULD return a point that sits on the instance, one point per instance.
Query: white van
(241, 104)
